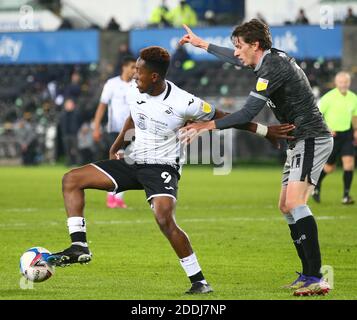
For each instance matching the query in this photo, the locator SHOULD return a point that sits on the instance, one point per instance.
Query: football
(33, 265)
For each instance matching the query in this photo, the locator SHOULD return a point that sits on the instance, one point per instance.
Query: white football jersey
(158, 120)
(114, 94)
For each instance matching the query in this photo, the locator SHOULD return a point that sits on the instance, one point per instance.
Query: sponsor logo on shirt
(262, 84)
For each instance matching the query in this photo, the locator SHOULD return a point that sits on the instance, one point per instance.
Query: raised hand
(193, 39)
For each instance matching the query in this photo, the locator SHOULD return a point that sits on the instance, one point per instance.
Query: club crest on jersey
(169, 110)
(262, 84)
(206, 107)
(142, 121)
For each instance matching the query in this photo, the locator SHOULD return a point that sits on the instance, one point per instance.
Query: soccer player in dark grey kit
(285, 88)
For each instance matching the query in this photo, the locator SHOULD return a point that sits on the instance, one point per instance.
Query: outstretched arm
(272, 133)
(222, 53)
(120, 141)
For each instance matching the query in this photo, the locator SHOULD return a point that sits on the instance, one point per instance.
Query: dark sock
(322, 176)
(79, 237)
(197, 277)
(347, 181)
(307, 229)
(298, 246)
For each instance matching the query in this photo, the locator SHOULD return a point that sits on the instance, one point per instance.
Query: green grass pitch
(241, 240)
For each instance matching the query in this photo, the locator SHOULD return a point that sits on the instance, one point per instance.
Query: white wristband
(261, 130)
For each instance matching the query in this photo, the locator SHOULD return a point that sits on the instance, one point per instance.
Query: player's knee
(69, 181)
(164, 218)
(167, 224)
(349, 165)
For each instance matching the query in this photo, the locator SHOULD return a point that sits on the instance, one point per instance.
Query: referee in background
(339, 108)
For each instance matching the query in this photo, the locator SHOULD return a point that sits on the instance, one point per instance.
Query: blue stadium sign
(300, 42)
(49, 47)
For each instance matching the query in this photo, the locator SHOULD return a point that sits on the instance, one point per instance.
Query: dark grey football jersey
(282, 81)
(284, 87)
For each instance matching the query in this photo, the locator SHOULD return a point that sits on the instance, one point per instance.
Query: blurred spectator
(181, 59)
(85, 144)
(66, 24)
(70, 122)
(210, 18)
(350, 19)
(160, 16)
(183, 14)
(73, 90)
(123, 53)
(27, 137)
(301, 18)
(113, 25)
(182, 66)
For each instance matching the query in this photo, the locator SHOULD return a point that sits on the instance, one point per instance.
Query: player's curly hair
(157, 59)
(253, 31)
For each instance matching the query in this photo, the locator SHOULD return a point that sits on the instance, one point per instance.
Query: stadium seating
(39, 90)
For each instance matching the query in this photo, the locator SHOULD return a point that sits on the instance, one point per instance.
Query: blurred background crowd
(47, 108)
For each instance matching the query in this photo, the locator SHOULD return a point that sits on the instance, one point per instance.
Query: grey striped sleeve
(251, 108)
(224, 54)
(259, 96)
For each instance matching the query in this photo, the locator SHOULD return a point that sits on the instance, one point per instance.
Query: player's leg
(296, 202)
(114, 200)
(295, 236)
(119, 201)
(306, 229)
(294, 233)
(313, 153)
(348, 163)
(164, 209)
(74, 183)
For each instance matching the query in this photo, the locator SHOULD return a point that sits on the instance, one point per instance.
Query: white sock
(77, 231)
(119, 195)
(190, 265)
(76, 224)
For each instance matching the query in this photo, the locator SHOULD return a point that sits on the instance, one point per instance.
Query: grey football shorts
(306, 160)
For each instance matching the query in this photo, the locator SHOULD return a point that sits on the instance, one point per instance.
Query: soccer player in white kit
(158, 109)
(114, 98)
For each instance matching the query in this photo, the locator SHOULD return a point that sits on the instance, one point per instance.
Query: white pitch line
(190, 220)
(21, 210)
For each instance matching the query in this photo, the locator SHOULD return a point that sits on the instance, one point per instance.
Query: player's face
(244, 51)
(144, 78)
(129, 69)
